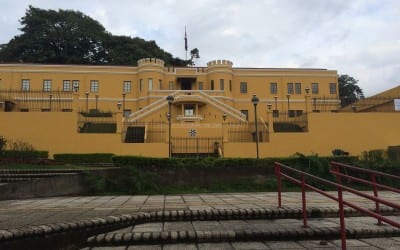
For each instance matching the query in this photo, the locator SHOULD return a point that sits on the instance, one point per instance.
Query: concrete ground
(28, 212)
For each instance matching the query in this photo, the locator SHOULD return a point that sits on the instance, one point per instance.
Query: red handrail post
(303, 199)
(279, 183)
(373, 179)
(341, 210)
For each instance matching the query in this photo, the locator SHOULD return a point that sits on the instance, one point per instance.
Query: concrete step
(198, 226)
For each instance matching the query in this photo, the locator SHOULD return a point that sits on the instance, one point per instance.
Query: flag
(186, 47)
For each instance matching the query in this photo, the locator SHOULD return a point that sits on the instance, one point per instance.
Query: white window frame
(75, 85)
(150, 84)
(25, 84)
(66, 85)
(127, 87)
(47, 85)
(94, 86)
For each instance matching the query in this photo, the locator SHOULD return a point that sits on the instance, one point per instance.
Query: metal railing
(98, 123)
(154, 131)
(193, 145)
(294, 121)
(285, 172)
(245, 131)
(37, 100)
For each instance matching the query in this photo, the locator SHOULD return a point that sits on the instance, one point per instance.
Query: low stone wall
(71, 184)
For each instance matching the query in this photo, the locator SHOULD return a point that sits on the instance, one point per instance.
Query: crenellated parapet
(150, 62)
(220, 63)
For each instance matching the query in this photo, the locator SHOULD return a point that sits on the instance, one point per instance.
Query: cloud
(356, 37)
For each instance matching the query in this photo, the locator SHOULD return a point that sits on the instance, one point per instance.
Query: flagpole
(186, 47)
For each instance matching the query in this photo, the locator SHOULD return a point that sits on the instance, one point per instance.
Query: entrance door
(186, 85)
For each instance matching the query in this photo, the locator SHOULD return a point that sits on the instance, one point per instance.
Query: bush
(84, 158)
(3, 143)
(375, 155)
(26, 155)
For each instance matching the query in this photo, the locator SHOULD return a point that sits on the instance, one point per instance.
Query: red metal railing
(302, 182)
(336, 168)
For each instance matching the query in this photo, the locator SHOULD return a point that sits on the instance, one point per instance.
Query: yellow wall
(57, 133)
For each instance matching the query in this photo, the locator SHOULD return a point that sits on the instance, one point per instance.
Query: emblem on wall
(192, 132)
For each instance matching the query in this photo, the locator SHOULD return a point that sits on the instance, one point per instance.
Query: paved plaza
(29, 212)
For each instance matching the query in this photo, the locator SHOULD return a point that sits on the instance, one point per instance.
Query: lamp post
(306, 97)
(50, 98)
(315, 104)
(224, 116)
(170, 99)
(255, 101)
(119, 105)
(97, 101)
(123, 104)
(87, 101)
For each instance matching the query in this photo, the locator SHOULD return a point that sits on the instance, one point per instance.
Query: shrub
(84, 158)
(375, 155)
(26, 155)
(3, 143)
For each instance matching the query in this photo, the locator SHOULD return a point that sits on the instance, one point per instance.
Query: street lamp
(50, 98)
(170, 99)
(255, 101)
(315, 104)
(224, 116)
(123, 104)
(119, 105)
(97, 101)
(87, 101)
(306, 97)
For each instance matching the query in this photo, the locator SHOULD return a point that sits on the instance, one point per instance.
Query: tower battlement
(150, 62)
(220, 63)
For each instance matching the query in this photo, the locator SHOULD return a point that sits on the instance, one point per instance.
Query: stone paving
(23, 213)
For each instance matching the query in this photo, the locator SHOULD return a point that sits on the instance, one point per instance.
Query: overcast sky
(360, 38)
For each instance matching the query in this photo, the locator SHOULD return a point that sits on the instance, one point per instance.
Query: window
(243, 87)
(160, 84)
(275, 113)
(75, 85)
(150, 84)
(171, 85)
(212, 84)
(290, 88)
(314, 88)
(221, 84)
(292, 113)
(127, 87)
(246, 113)
(25, 84)
(273, 88)
(94, 86)
(66, 85)
(332, 88)
(200, 86)
(297, 88)
(230, 85)
(189, 110)
(47, 85)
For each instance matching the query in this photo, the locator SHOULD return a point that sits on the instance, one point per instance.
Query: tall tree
(66, 36)
(349, 91)
(57, 37)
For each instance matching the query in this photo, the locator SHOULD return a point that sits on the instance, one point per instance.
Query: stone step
(208, 225)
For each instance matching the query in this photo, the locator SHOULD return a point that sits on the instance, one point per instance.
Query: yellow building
(210, 109)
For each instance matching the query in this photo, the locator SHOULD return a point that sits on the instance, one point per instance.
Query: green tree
(194, 55)
(349, 91)
(62, 36)
(71, 37)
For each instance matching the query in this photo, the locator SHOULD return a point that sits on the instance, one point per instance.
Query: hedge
(25, 155)
(84, 158)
